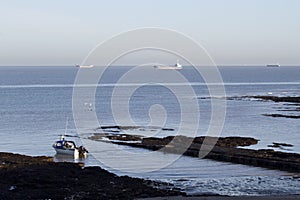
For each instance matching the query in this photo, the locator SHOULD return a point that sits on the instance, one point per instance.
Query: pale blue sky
(35, 32)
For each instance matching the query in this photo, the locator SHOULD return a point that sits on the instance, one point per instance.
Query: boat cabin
(64, 144)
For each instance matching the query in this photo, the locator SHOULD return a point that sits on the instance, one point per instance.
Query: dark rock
(276, 98)
(110, 127)
(224, 142)
(274, 145)
(117, 128)
(280, 115)
(167, 129)
(224, 150)
(120, 137)
(24, 177)
(124, 137)
(283, 144)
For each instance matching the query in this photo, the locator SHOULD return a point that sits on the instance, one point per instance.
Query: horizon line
(132, 65)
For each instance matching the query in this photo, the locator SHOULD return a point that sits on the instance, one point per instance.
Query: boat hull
(66, 151)
(64, 147)
(71, 152)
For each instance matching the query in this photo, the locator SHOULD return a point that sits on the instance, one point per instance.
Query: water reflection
(69, 158)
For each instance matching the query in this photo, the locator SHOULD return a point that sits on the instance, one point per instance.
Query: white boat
(68, 147)
(63, 146)
(176, 66)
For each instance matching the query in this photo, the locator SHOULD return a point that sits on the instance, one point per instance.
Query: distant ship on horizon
(177, 66)
(84, 66)
(273, 65)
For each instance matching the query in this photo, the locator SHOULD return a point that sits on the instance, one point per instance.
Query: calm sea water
(35, 102)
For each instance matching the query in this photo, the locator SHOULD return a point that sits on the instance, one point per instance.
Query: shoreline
(26, 177)
(39, 177)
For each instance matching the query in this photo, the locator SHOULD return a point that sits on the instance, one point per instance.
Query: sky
(234, 32)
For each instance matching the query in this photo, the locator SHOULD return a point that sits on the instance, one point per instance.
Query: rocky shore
(226, 149)
(291, 107)
(25, 177)
(285, 116)
(278, 99)
(270, 98)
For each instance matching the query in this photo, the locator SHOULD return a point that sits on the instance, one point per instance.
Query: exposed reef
(276, 98)
(292, 106)
(281, 115)
(225, 149)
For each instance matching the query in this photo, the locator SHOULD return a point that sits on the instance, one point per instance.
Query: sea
(36, 106)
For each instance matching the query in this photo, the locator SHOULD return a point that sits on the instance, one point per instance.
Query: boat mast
(63, 136)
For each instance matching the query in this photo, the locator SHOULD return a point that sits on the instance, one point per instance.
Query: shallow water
(35, 103)
(193, 175)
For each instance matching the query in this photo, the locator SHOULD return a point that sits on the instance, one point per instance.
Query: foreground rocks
(24, 177)
(224, 150)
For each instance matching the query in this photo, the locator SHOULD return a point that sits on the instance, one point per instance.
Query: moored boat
(63, 146)
(68, 147)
